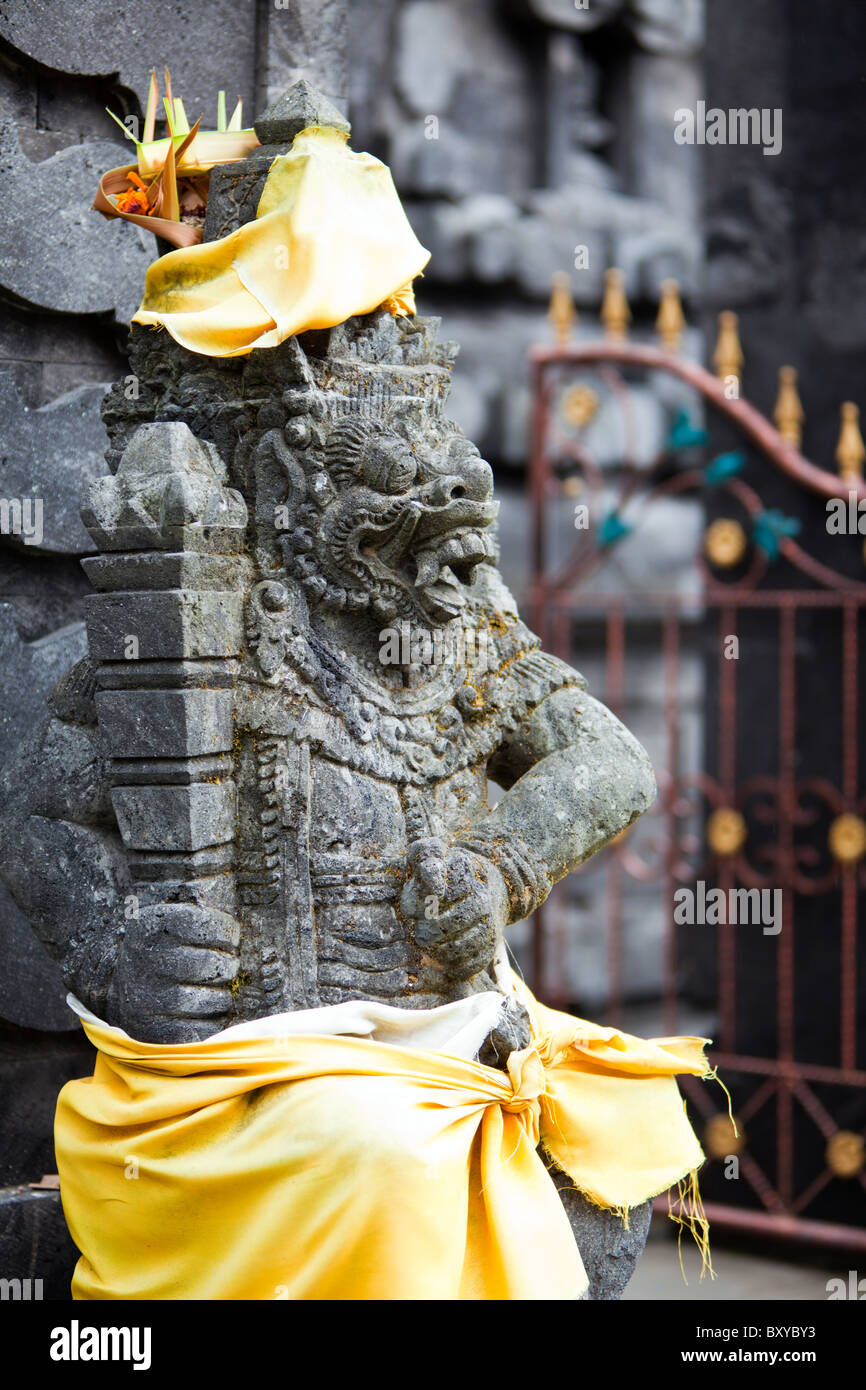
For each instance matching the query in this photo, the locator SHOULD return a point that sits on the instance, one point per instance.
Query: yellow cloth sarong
(329, 239)
(313, 1166)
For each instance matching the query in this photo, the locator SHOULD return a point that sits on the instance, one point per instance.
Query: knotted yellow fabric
(333, 1167)
(330, 239)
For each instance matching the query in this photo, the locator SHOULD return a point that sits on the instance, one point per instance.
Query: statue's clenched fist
(172, 982)
(458, 903)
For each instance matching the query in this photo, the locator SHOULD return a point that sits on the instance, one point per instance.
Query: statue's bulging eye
(463, 452)
(401, 475)
(386, 473)
(298, 432)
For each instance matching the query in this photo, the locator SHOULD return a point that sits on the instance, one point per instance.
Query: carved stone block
(167, 625)
(165, 723)
(175, 818)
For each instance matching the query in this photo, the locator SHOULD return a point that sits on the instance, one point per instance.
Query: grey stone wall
(516, 133)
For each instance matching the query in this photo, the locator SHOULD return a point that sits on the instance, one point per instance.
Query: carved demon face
(385, 514)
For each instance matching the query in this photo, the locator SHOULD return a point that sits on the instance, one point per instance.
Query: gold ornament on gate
(724, 1136)
(615, 313)
(845, 1154)
(850, 450)
(671, 322)
(726, 830)
(788, 414)
(579, 405)
(725, 543)
(728, 356)
(562, 313)
(847, 838)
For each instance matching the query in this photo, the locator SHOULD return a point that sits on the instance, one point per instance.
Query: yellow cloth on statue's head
(330, 239)
(314, 1166)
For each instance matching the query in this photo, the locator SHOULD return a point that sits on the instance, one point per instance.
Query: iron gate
(798, 1099)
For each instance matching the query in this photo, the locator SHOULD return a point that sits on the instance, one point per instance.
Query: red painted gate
(798, 1096)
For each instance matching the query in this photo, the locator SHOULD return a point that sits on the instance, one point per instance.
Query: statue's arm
(575, 777)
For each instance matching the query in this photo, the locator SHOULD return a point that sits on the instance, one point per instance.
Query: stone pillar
(166, 628)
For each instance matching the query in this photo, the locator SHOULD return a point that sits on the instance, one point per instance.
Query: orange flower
(133, 199)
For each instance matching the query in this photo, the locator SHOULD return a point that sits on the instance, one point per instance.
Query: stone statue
(266, 786)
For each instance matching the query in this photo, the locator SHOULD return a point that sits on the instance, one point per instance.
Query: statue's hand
(175, 967)
(459, 906)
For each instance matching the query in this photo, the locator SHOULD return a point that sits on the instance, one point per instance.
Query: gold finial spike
(615, 313)
(850, 451)
(728, 356)
(788, 413)
(562, 313)
(671, 320)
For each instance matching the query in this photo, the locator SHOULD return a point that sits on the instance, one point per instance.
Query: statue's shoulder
(520, 672)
